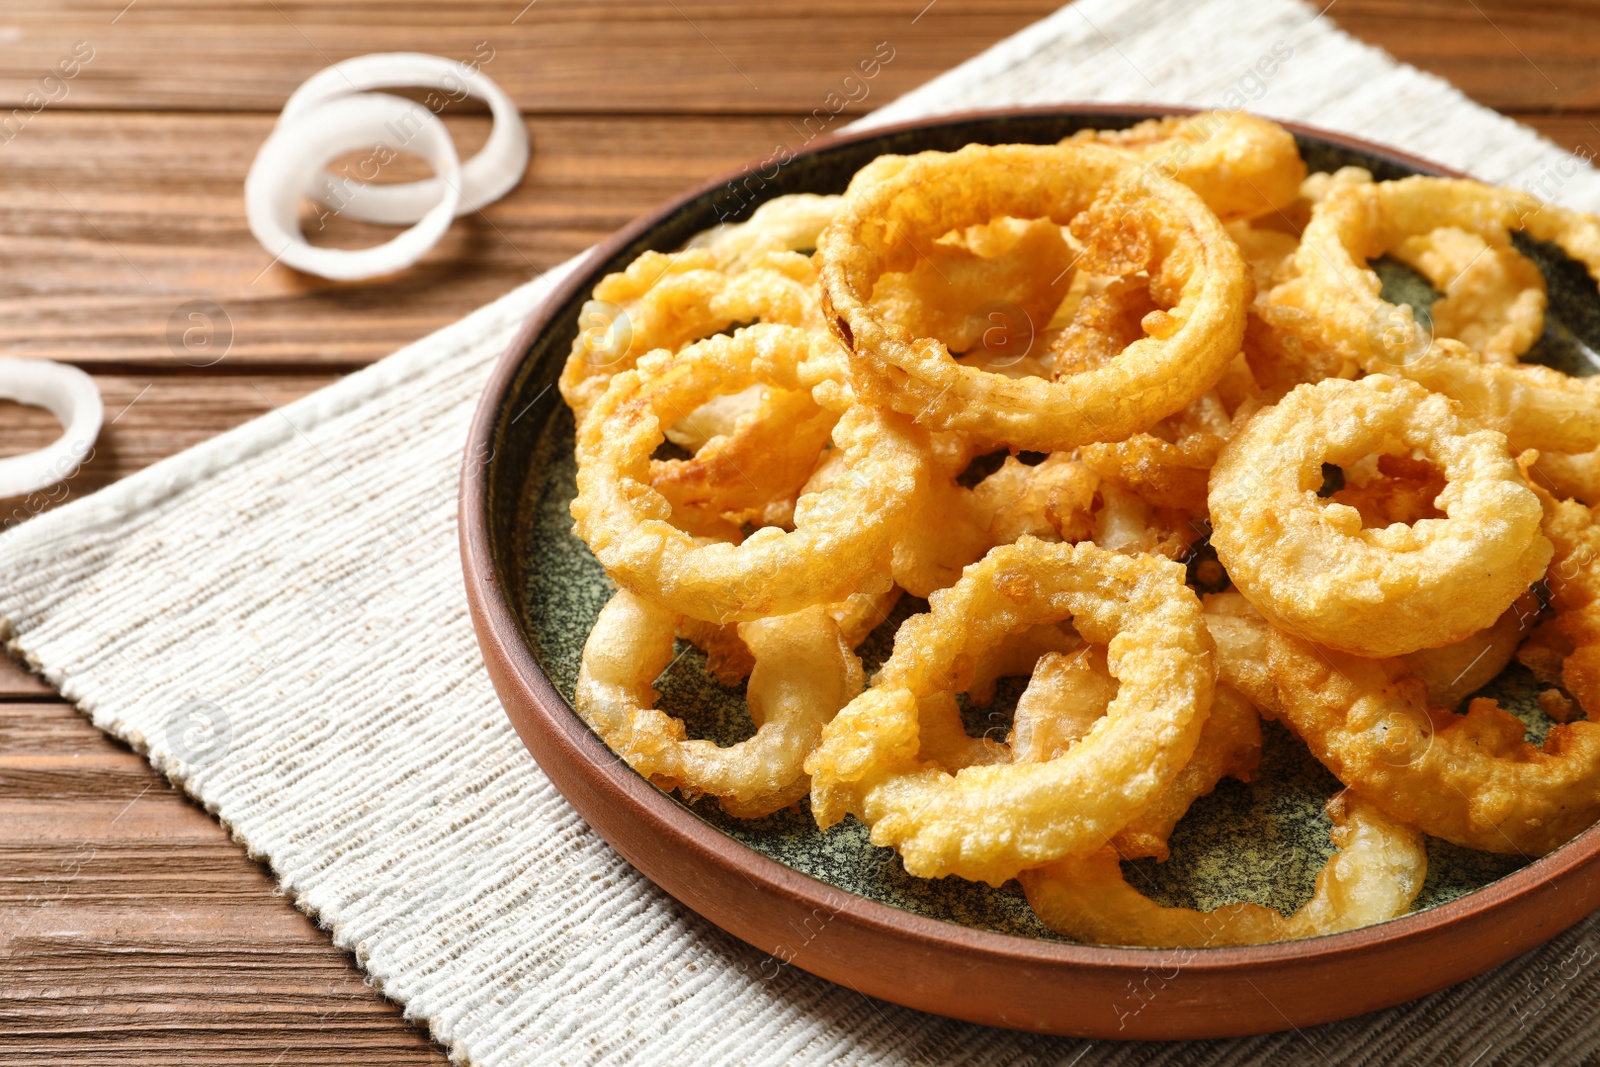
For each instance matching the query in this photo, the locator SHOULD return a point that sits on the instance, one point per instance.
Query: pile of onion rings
(1133, 415)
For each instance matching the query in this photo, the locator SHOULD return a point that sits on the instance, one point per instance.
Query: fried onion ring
(967, 282)
(1069, 693)
(1455, 671)
(1375, 876)
(1471, 779)
(785, 223)
(1309, 566)
(1230, 747)
(987, 823)
(1493, 299)
(804, 671)
(659, 301)
(1143, 220)
(1333, 302)
(750, 451)
(1241, 165)
(848, 530)
(1574, 583)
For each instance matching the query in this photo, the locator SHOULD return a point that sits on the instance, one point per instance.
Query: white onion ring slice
(72, 397)
(319, 134)
(485, 178)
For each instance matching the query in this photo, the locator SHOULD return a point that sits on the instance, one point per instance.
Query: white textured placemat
(295, 584)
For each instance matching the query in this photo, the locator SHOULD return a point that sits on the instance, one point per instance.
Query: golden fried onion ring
(788, 223)
(1230, 747)
(1068, 693)
(1333, 301)
(1142, 215)
(1241, 165)
(772, 446)
(1455, 671)
(1308, 565)
(1375, 876)
(1574, 583)
(952, 290)
(658, 301)
(987, 823)
(843, 534)
(1471, 779)
(804, 671)
(1493, 299)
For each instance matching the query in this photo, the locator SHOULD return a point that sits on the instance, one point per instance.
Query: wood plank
(712, 56)
(101, 265)
(97, 258)
(605, 57)
(148, 418)
(19, 683)
(1512, 55)
(134, 930)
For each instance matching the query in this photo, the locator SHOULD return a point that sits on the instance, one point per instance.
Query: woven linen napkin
(276, 618)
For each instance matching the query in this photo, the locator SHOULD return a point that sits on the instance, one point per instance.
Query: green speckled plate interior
(1264, 841)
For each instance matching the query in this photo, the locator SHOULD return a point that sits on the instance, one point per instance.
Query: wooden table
(132, 929)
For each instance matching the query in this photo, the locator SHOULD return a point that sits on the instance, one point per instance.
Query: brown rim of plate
(933, 965)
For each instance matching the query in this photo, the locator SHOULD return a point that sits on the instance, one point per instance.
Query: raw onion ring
(483, 179)
(986, 823)
(72, 397)
(1308, 565)
(319, 134)
(1142, 216)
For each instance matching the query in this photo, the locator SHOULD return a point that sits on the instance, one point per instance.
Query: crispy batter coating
(1230, 747)
(1455, 671)
(1332, 302)
(1041, 386)
(783, 224)
(1131, 219)
(804, 671)
(850, 528)
(1069, 692)
(1472, 779)
(989, 822)
(659, 301)
(1376, 875)
(1574, 583)
(1310, 566)
(1241, 165)
(1004, 276)
(1493, 296)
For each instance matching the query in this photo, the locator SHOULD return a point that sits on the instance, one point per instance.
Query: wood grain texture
(723, 57)
(126, 220)
(133, 930)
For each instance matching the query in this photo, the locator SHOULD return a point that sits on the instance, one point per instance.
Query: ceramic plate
(832, 903)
